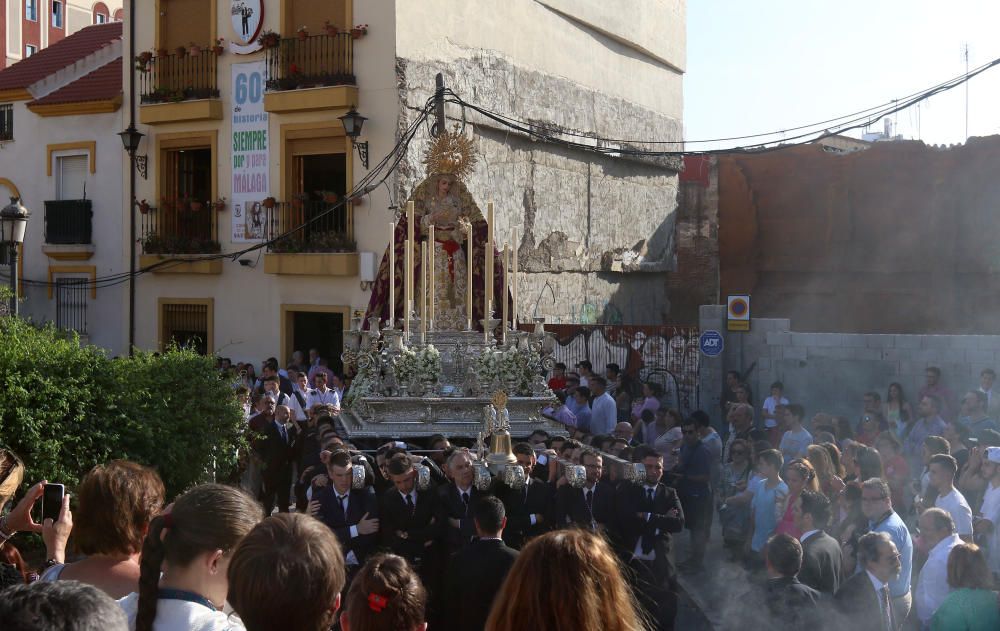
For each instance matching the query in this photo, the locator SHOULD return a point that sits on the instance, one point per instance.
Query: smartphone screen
(52, 499)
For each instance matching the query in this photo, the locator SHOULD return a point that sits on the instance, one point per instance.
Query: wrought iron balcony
(310, 62)
(324, 227)
(178, 76)
(179, 227)
(68, 221)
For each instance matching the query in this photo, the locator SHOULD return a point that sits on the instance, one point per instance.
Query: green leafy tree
(65, 409)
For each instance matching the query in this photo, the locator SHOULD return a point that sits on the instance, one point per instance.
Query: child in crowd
(767, 497)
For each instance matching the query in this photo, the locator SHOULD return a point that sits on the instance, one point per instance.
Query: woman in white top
(192, 543)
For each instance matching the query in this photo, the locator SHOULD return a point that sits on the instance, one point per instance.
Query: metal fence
(329, 229)
(68, 221)
(311, 61)
(180, 76)
(71, 304)
(179, 227)
(667, 355)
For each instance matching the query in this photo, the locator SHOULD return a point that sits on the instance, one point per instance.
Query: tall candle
(468, 277)
(513, 274)
(392, 274)
(423, 292)
(503, 297)
(430, 277)
(410, 242)
(488, 280)
(407, 281)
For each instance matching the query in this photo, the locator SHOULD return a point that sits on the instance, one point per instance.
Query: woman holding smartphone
(115, 503)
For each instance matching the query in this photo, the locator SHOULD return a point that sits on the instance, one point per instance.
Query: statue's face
(444, 186)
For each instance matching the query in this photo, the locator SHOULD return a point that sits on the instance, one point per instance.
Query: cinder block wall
(830, 372)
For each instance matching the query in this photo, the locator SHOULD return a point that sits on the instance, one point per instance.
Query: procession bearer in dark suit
(456, 501)
(591, 507)
(529, 510)
(351, 513)
(476, 573)
(648, 515)
(409, 523)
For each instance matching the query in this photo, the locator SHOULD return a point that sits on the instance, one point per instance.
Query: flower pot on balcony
(303, 34)
(180, 51)
(269, 39)
(269, 202)
(196, 206)
(162, 52)
(194, 50)
(331, 29)
(143, 207)
(220, 204)
(330, 197)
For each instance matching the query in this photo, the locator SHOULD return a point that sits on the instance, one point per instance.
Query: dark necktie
(589, 496)
(343, 503)
(465, 500)
(409, 504)
(649, 500)
(283, 432)
(886, 609)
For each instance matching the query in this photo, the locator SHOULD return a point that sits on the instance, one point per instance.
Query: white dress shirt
(932, 585)
(328, 397)
(638, 553)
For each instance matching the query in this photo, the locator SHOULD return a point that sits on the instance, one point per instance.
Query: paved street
(710, 599)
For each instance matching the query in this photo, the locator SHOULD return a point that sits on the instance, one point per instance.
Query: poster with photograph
(250, 165)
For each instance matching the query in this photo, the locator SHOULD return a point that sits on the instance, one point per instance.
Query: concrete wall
(596, 234)
(900, 238)
(830, 372)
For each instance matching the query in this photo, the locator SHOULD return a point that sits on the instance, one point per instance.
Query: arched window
(101, 13)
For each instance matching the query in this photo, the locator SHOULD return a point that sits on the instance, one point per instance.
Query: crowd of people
(837, 523)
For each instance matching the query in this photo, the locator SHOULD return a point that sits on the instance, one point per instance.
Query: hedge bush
(64, 409)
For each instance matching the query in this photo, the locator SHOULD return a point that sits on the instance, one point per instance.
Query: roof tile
(101, 84)
(59, 55)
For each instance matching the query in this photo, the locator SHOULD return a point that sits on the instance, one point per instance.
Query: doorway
(315, 326)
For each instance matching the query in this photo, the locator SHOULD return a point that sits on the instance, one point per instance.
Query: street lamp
(13, 220)
(353, 122)
(130, 139)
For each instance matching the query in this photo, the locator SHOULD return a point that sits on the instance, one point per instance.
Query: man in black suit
(821, 555)
(408, 525)
(791, 604)
(476, 573)
(352, 514)
(455, 502)
(863, 601)
(275, 445)
(591, 507)
(528, 510)
(648, 514)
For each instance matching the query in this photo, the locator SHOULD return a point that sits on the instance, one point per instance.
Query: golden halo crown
(451, 153)
(499, 400)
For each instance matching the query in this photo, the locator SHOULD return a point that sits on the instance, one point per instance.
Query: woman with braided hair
(191, 543)
(386, 595)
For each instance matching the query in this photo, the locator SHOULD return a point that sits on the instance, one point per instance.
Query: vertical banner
(249, 155)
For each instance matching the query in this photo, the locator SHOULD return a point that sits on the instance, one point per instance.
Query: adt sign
(711, 343)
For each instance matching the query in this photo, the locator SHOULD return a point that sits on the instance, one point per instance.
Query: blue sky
(761, 66)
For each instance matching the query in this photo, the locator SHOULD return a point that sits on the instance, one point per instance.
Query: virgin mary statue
(442, 200)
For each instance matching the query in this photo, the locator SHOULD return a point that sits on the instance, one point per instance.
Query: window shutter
(72, 176)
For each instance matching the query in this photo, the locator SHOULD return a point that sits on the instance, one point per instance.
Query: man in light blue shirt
(603, 411)
(876, 503)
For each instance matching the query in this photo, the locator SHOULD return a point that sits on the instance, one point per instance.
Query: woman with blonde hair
(565, 562)
(972, 603)
(799, 475)
(829, 482)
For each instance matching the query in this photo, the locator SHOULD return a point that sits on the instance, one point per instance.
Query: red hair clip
(377, 602)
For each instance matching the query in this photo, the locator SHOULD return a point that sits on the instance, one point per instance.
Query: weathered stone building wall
(595, 233)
